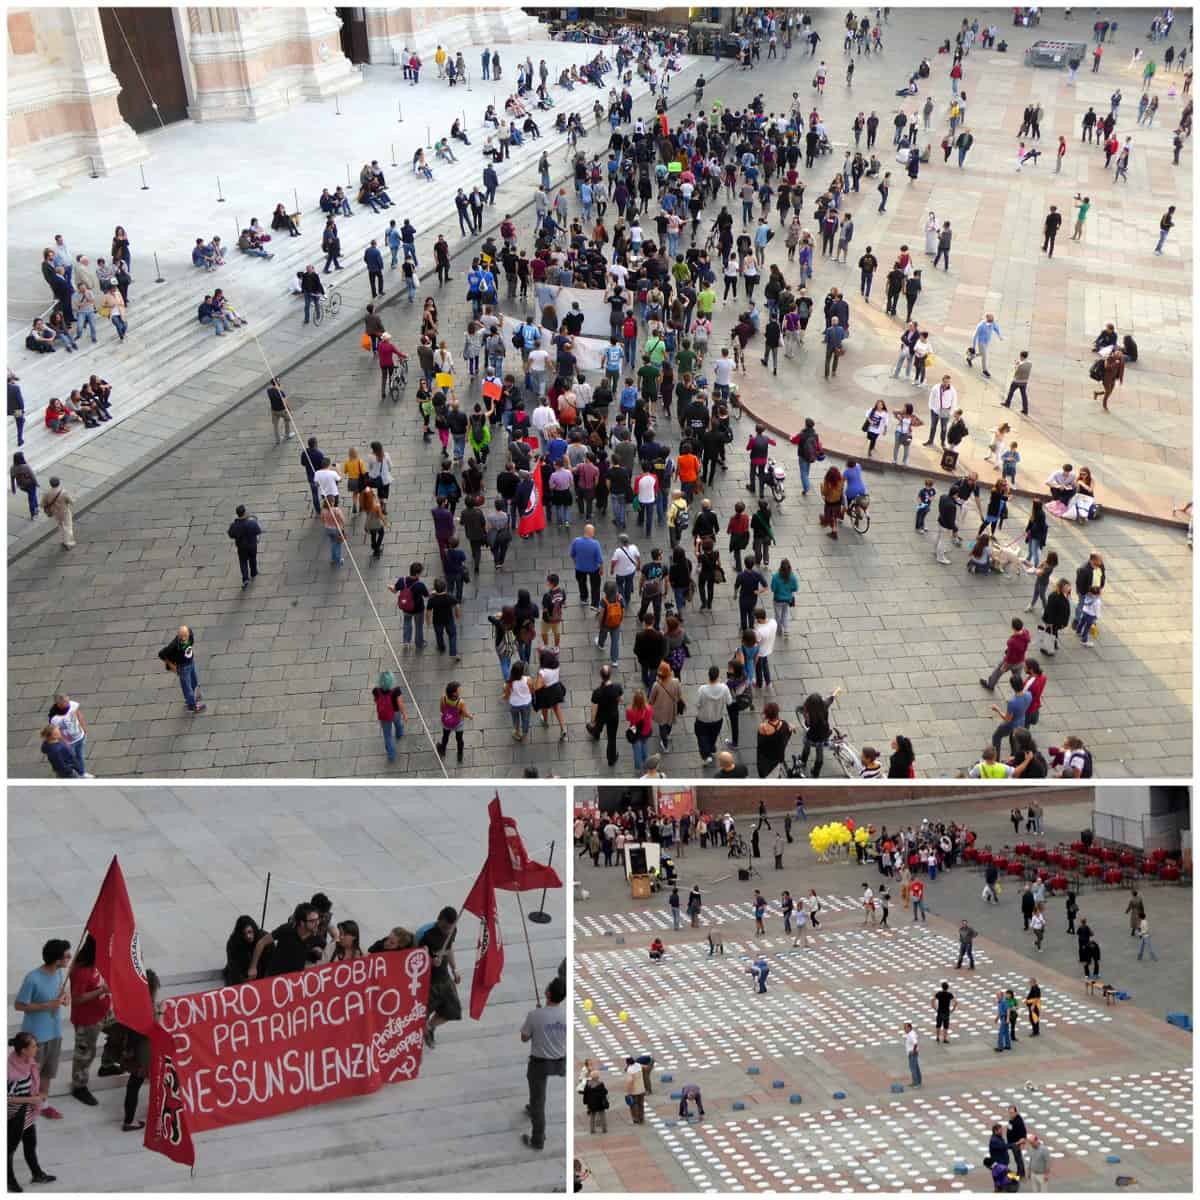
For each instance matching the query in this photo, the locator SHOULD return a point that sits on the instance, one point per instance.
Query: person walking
(1144, 942)
(966, 945)
(1003, 1033)
(545, 1029)
(1022, 369)
(179, 657)
(912, 1050)
(25, 1103)
(1038, 1165)
(58, 504)
(1135, 910)
(1050, 228)
(245, 532)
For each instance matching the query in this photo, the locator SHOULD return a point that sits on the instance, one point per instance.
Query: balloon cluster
(824, 838)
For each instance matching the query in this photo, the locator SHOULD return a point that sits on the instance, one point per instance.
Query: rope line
(363, 583)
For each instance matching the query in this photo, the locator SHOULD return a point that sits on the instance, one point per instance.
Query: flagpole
(537, 999)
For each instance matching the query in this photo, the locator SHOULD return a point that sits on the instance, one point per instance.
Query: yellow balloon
(622, 1015)
(587, 1006)
(593, 1019)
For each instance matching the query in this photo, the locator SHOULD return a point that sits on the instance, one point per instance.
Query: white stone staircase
(166, 346)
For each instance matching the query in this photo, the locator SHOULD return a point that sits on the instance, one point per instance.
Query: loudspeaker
(1087, 836)
(637, 860)
(743, 874)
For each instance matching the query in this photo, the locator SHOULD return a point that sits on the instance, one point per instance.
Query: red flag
(533, 518)
(118, 952)
(166, 1119)
(489, 950)
(511, 868)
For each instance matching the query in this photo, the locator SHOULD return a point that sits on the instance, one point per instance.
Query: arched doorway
(143, 51)
(354, 34)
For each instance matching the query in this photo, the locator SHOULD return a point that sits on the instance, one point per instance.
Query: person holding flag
(509, 868)
(149, 1046)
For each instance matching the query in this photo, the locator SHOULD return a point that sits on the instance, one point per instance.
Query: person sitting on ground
(1106, 339)
(657, 950)
(514, 107)
(530, 127)
(489, 116)
(250, 243)
(1063, 484)
(98, 391)
(58, 417)
(58, 326)
(40, 339)
(203, 256)
(442, 150)
(420, 166)
(456, 132)
(341, 204)
(207, 315)
(222, 308)
(980, 560)
(86, 410)
(282, 219)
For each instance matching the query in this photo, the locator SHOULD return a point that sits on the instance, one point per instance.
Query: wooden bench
(1107, 990)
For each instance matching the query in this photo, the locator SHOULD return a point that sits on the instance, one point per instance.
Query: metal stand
(541, 916)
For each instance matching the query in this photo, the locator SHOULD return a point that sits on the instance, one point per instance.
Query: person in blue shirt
(834, 336)
(1014, 714)
(924, 501)
(981, 339)
(41, 998)
(531, 336)
(1003, 1042)
(855, 487)
(374, 260)
(393, 240)
(588, 558)
(629, 396)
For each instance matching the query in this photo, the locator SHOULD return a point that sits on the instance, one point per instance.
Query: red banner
(489, 949)
(267, 1047)
(533, 518)
(511, 867)
(167, 1126)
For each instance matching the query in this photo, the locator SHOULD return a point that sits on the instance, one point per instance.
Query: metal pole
(537, 999)
(541, 916)
(158, 270)
(348, 183)
(266, 893)
(94, 173)
(428, 139)
(296, 198)
(399, 113)
(220, 197)
(145, 185)
(394, 162)
(337, 105)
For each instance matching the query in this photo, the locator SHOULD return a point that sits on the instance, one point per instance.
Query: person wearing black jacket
(1050, 228)
(868, 264)
(912, 289)
(1090, 575)
(312, 289)
(179, 656)
(895, 286)
(947, 525)
(245, 532)
(312, 460)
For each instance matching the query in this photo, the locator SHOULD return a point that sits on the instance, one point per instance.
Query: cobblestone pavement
(1099, 1081)
(286, 666)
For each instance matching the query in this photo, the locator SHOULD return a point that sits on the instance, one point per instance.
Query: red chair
(1078, 847)
(1041, 854)
(1093, 870)
(1000, 862)
(1055, 857)
(1109, 855)
(1113, 875)
(1158, 855)
(970, 854)
(1022, 848)
(985, 857)
(1043, 874)
(1127, 858)
(1069, 862)
(1058, 883)
(1150, 868)
(1016, 869)
(1169, 873)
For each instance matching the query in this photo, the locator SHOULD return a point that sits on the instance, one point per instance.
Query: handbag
(366, 341)
(632, 734)
(866, 427)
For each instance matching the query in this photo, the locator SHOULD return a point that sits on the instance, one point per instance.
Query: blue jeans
(617, 504)
(77, 749)
(805, 468)
(392, 730)
(1145, 945)
(32, 497)
(87, 320)
(410, 251)
(411, 286)
(119, 324)
(447, 633)
(520, 718)
(919, 907)
(311, 299)
(614, 636)
(189, 682)
(335, 546)
(630, 351)
(646, 518)
(414, 623)
(639, 756)
(1003, 1035)
(625, 587)
(216, 322)
(505, 665)
(914, 1068)
(680, 598)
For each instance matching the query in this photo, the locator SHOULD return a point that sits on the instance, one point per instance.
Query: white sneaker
(944, 561)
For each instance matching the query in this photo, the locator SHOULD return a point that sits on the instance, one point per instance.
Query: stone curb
(281, 367)
(947, 477)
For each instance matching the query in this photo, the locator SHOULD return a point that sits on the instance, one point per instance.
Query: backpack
(1096, 370)
(385, 708)
(406, 601)
(614, 614)
(553, 610)
(451, 714)
(683, 519)
(1086, 770)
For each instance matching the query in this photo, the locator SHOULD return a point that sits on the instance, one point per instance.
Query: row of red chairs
(1114, 866)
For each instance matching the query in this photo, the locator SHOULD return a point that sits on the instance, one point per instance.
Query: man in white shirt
(537, 369)
(541, 419)
(723, 373)
(635, 1087)
(910, 1048)
(868, 903)
(624, 566)
(943, 400)
(765, 630)
(327, 480)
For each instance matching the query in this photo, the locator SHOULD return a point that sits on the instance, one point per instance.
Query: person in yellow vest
(440, 59)
(354, 469)
(989, 768)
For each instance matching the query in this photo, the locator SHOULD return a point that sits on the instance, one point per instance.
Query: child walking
(924, 500)
(1089, 615)
(1008, 464)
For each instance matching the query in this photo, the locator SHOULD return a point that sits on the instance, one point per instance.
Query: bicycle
(399, 379)
(857, 514)
(840, 750)
(332, 302)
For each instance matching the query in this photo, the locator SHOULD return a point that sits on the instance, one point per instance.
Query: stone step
(165, 349)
